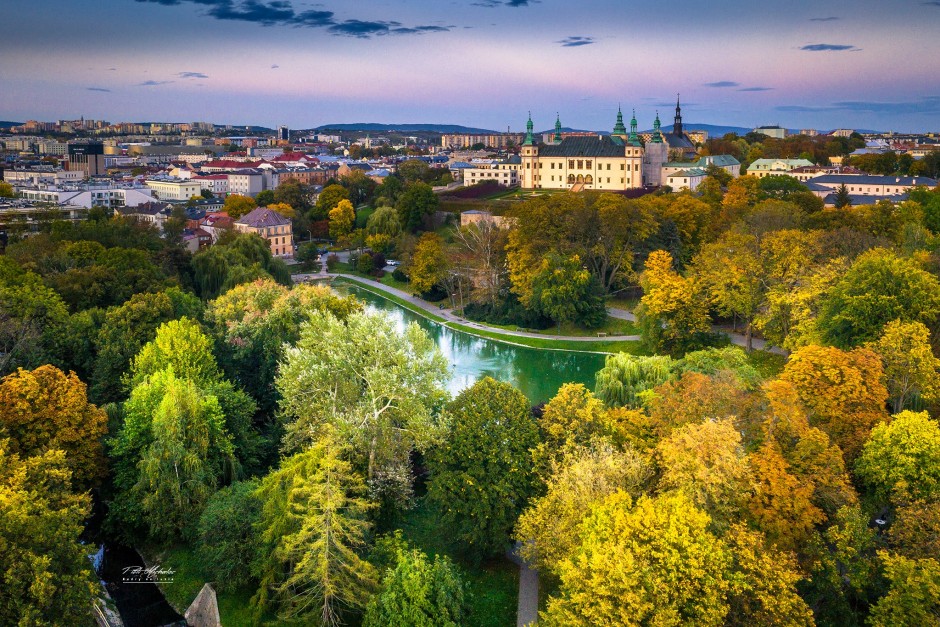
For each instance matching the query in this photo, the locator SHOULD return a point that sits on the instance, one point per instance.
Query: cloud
(756, 89)
(99, 89)
(152, 83)
(491, 4)
(192, 75)
(722, 84)
(282, 13)
(926, 105)
(828, 47)
(931, 4)
(823, 19)
(275, 66)
(575, 41)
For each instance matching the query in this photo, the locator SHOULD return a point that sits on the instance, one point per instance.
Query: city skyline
(483, 64)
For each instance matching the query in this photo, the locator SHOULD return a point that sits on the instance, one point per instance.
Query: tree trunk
(749, 337)
(372, 446)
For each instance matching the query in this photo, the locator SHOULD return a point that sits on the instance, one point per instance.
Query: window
(553, 166)
(608, 179)
(580, 164)
(608, 167)
(621, 166)
(571, 164)
(588, 164)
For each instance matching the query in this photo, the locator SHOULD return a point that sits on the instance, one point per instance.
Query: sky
(870, 64)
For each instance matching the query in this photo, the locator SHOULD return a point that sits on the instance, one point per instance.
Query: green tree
(416, 203)
(265, 198)
(414, 170)
(32, 318)
(180, 345)
(624, 378)
(878, 288)
(481, 477)
(428, 265)
(565, 291)
(384, 222)
(901, 460)
(239, 258)
(6, 190)
(313, 523)
(43, 566)
(379, 388)
(170, 455)
(360, 187)
(329, 198)
(226, 536)
(44, 410)
(294, 193)
(419, 592)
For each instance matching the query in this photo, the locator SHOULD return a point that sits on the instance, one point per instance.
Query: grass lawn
(234, 605)
(596, 346)
(768, 365)
(623, 303)
(362, 216)
(494, 586)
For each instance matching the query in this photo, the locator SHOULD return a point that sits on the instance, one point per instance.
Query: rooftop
(260, 217)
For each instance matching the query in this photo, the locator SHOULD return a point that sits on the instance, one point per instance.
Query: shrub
(331, 262)
(226, 534)
(364, 263)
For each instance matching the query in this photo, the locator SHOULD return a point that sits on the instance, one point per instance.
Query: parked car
(392, 262)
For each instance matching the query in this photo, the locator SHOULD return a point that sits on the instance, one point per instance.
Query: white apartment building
(174, 189)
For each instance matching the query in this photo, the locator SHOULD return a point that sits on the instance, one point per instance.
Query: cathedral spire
(619, 128)
(634, 138)
(528, 132)
(657, 133)
(677, 125)
(557, 127)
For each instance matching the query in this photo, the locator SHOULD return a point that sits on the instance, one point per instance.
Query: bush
(400, 276)
(331, 262)
(226, 534)
(364, 263)
(378, 261)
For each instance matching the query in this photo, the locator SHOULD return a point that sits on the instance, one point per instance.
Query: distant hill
(5, 124)
(403, 128)
(714, 130)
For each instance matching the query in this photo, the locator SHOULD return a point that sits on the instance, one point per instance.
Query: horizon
(482, 64)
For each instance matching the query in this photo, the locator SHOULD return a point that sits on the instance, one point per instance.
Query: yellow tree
(901, 460)
(45, 409)
(342, 219)
(914, 595)
(670, 314)
(573, 417)
(237, 205)
(428, 263)
(706, 462)
(652, 563)
(284, 209)
(842, 392)
(911, 370)
(548, 528)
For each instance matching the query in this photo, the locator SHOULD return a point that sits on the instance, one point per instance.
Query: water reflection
(538, 373)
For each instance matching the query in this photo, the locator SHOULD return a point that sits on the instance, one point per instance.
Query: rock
(204, 612)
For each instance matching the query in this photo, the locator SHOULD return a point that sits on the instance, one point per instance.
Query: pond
(537, 372)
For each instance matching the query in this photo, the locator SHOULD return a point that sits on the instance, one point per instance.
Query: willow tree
(624, 378)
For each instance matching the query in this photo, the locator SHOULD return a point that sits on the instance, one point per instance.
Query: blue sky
(485, 63)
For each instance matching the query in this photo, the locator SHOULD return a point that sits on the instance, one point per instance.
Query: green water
(537, 372)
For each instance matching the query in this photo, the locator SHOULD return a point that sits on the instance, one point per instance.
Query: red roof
(296, 156)
(228, 164)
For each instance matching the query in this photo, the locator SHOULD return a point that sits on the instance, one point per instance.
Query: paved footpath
(527, 612)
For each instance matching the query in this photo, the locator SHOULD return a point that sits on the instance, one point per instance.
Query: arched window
(580, 178)
(571, 178)
(589, 179)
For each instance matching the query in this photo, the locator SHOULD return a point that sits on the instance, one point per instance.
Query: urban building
(174, 189)
(774, 167)
(87, 158)
(270, 225)
(777, 132)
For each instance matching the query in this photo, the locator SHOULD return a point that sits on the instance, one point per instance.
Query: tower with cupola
(530, 158)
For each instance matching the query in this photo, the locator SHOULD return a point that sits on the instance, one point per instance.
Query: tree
(238, 258)
(483, 246)
(878, 288)
(728, 272)
(44, 410)
(6, 190)
(313, 523)
(284, 209)
(237, 205)
(170, 455)
(226, 535)
(180, 345)
(653, 563)
(585, 476)
(379, 388)
(901, 460)
(480, 472)
(294, 193)
(329, 198)
(574, 417)
(419, 592)
(43, 566)
(428, 265)
(914, 595)
(842, 391)
(384, 222)
(910, 367)
(265, 198)
(670, 315)
(414, 170)
(360, 187)
(706, 462)
(31, 318)
(915, 531)
(416, 203)
(565, 291)
(624, 378)
(253, 323)
(342, 219)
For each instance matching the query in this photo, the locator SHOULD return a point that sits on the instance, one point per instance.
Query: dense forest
(281, 433)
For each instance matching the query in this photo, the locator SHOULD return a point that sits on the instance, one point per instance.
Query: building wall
(600, 173)
(174, 190)
(280, 238)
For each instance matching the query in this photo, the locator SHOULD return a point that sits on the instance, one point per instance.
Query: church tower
(530, 158)
(557, 137)
(619, 129)
(677, 124)
(655, 155)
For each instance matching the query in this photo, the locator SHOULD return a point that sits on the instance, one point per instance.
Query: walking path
(527, 612)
